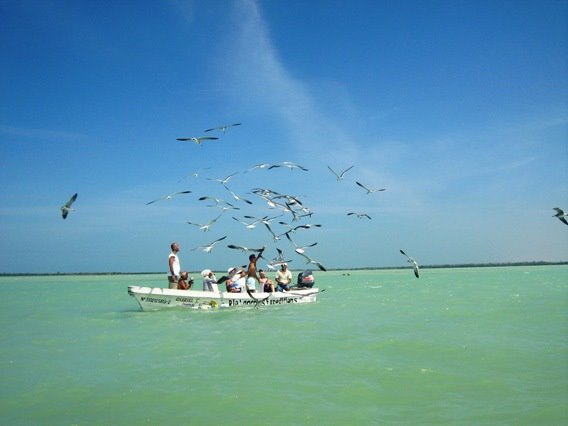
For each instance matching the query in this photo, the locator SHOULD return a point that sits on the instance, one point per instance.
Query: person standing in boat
(283, 278)
(174, 266)
(209, 280)
(252, 275)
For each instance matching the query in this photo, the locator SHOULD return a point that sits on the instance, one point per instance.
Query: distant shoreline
(464, 265)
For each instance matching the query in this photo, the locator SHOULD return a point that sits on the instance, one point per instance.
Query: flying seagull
(205, 227)
(307, 226)
(274, 236)
(310, 260)
(168, 197)
(248, 225)
(340, 175)
(359, 215)
(414, 264)
(66, 208)
(288, 164)
(237, 197)
(244, 249)
(209, 247)
(258, 166)
(194, 174)
(222, 128)
(369, 191)
(298, 249)
(197, 140)
(559, 214)
(224, 180)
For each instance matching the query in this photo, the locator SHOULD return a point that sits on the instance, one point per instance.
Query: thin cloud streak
(38, 134)
(267, 84)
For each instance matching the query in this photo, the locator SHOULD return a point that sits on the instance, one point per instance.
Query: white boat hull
(156, 298)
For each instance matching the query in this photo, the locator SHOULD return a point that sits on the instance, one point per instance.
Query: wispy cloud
(267, 84)
(38, 134)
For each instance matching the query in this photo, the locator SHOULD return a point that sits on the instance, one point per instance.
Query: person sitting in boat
(241, 280)
(184, 283)
(231, 271)
(283, 278)
(236, 281)
(209, 280)
(265, 282)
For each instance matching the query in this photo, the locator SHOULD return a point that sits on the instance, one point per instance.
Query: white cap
(231, 269)
(205, 272)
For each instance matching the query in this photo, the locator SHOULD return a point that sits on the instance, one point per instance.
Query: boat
(156, 298)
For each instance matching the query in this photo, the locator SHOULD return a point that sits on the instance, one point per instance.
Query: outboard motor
(306, 279)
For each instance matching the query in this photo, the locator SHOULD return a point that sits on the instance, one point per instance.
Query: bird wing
(346, 170)
(222, 127)
(333, 171)
(71, 200)
(153, 201)
(362, 186)
(219, 239)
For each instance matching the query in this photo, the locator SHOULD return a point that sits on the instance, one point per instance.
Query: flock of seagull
(285, 204)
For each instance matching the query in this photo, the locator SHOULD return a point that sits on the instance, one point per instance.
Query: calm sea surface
(471, 346)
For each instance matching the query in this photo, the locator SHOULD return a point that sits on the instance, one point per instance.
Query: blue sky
(458, 108)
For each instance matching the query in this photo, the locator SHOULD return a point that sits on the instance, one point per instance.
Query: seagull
(310, 260)
(266, 220)
(168, 197)
(219, 203)
(207, 226)
(208, 248)
(288, 164)
(259, 166)
(244, 249)
(414, 264)
(223, 128)
(298, 249)
(307, 226)
(369, 191)
(197, 140)
(237, 197)
(274, 236)
(360, 215)
(225, 180)
(340, 175)
(66, 208)
(248, 225)
(194, 174)
(559, 214)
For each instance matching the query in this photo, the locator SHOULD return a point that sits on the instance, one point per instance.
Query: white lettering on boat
(281, 301)
(155, 300)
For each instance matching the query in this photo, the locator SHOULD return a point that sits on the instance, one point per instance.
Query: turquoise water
(483, 346)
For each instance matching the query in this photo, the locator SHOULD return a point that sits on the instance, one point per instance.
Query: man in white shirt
(174, 266)
(283, 278)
